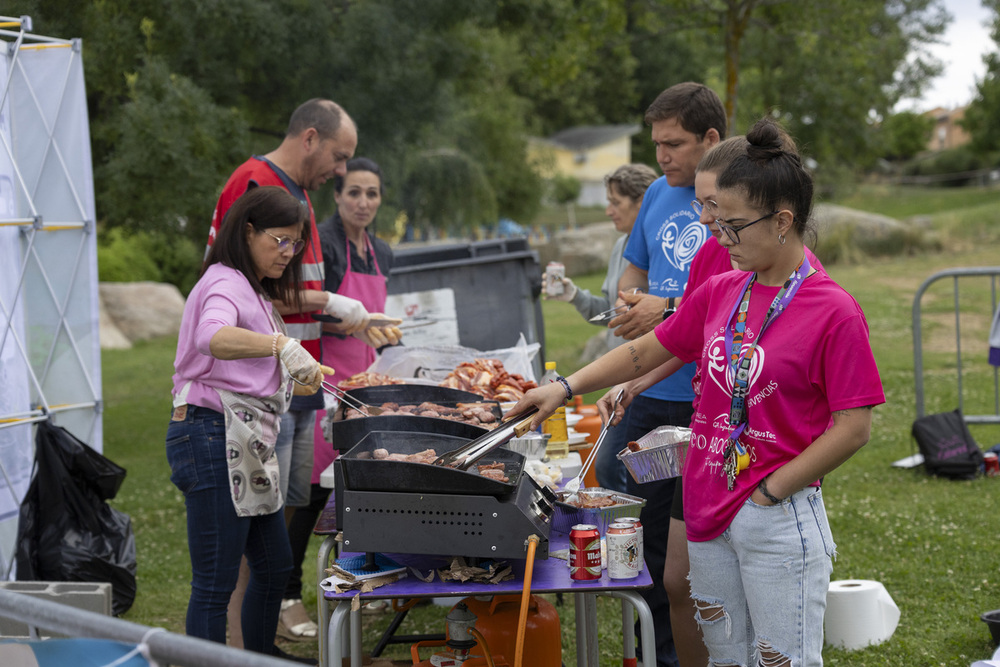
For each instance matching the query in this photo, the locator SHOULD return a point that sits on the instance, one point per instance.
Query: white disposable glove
(299, 363)
(350, 312)
(569, 289)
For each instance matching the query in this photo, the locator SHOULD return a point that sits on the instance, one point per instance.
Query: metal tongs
(609, 314)
(573, 485)
(355, 403)
(465, 456)
(352, 401)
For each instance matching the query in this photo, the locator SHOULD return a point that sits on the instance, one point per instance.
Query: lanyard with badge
(734, 455)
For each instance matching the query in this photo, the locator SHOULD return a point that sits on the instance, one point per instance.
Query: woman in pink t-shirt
(233, 380)
(788, 382)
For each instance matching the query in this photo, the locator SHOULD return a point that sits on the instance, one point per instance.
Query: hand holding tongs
(609, 314)
(355, 403)
(573, 485)
(463, 457)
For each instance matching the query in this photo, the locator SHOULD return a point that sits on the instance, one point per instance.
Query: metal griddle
(405, 507)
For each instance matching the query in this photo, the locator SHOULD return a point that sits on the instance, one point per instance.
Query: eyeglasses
(284, 243)
(732, 232)
(709, 206)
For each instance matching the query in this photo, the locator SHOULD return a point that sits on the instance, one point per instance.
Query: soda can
(554, 273)
(584, 552)
(991, 464)
(634, 520)
(623, 551)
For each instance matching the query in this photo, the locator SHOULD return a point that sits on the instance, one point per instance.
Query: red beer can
(623, 551)
(584, 552)
(634, 520)
(991, 464)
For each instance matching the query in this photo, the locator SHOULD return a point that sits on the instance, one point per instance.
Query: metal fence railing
(166, 648)
(957, 276)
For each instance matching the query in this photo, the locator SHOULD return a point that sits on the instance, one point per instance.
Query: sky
(963, 45)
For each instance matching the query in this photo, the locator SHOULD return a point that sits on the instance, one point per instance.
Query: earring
(781, 239)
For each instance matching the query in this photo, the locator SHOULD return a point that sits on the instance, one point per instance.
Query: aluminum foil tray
(661, 457)
(566, 516)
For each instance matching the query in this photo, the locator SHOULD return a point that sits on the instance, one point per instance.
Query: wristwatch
(671, 307)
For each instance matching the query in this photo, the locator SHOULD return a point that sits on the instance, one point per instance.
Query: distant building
(587, 153)
(947, 131)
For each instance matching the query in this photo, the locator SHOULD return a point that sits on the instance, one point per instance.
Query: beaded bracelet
(274, 345)
(565, 383)
(762, 487)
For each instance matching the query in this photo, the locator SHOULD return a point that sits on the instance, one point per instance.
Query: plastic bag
(432, 364)
(66, 530)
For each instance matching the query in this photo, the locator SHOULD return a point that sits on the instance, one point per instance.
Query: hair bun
(765, 140)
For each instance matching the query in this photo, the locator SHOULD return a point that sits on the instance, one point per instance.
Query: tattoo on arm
(636, 366)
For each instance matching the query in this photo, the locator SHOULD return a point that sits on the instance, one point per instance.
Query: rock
(110, 335)
(867, 226)
(583, 250)
(143, 310)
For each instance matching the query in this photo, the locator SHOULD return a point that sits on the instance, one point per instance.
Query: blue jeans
(218, 538)
(769, 573)
(294, 450)
(645, 414)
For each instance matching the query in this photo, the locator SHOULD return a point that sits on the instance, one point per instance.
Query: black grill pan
(403, 476)
(349, 432)
(412, 393)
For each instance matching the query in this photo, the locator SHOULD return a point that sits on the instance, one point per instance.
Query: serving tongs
(573, 486)
(355, 403)
(352, 401)
(609, 314)
(465, 456)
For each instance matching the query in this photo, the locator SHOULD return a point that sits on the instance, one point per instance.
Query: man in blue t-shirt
(686, 119)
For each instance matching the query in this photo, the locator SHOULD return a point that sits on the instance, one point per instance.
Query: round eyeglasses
(708, 205)
(284, 243)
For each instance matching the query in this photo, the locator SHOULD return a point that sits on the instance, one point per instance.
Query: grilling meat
(477, 414)
(488, 378)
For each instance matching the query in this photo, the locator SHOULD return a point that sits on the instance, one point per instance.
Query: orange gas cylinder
(591, 425)
(591, 422)
(496, 619)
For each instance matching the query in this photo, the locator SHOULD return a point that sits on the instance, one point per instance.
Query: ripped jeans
(760, 587)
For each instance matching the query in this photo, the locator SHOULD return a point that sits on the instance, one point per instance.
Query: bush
(124, 257)
(953, 165)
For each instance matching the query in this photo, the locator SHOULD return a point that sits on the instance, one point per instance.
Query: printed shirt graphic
(813, 360)
(664, 240)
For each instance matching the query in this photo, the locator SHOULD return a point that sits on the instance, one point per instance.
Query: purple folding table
(548, 576)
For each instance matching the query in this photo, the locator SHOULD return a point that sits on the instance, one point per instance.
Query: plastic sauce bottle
(555, 425)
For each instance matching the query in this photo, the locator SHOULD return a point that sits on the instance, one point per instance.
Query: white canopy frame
(49, 304)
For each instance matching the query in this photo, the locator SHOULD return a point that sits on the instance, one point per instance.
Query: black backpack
(947, 446)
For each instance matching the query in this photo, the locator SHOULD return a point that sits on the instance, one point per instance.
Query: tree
(982, 118)
(905, 134)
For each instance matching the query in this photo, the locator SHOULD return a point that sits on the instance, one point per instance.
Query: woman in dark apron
(357, 265)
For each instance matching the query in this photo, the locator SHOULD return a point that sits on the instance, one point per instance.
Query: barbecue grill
(420, 508)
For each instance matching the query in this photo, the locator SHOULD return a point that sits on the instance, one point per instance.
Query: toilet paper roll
(859, 613)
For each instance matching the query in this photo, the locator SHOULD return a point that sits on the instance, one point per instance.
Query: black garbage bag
(66, 530)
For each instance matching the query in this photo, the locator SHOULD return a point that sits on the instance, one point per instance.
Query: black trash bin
(497, 286)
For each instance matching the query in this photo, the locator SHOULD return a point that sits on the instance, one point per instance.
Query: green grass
(931, 542)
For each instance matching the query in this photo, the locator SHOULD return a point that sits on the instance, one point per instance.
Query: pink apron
(349, 355)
